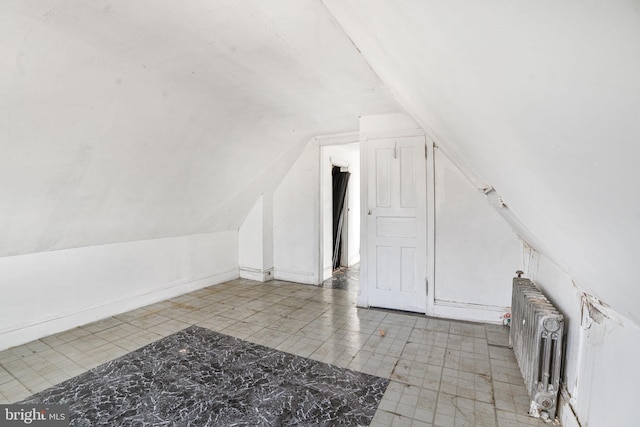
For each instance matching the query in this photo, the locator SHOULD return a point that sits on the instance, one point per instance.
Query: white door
(397, 224)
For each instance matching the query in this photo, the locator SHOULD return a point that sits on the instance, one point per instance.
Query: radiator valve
(519, 273)
(506, 319)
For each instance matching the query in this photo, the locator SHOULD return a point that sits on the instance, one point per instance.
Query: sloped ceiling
(542, 100)
(126, 120)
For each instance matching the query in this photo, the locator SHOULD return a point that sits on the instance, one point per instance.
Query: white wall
(601, 374)
(330, 154)
(50, 292)
(127, 121)
(160, 125)
(250, 235)
(541, 99)
(255, 241)
(296, 220)
(472, 252)
(477, 253)
(302, 215)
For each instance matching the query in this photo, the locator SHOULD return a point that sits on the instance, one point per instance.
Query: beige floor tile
(442, 372)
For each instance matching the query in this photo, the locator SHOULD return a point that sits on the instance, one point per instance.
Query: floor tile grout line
(344, 357)
(21, 381)
(493, 393)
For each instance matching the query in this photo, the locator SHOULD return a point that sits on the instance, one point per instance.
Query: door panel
(408, 279)
(383, 165)
(396, 224)
(384, 267)
(396, 227)
(407, 177)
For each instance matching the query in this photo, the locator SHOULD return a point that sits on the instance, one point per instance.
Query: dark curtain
(340, 182)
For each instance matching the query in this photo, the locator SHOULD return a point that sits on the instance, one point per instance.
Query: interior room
(263, 194)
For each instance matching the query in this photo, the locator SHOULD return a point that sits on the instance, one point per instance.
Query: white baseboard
(256, 274)
(469, 312)
(295, 276)
(20, 334)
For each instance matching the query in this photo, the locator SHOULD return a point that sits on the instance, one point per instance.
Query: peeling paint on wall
(593, 310)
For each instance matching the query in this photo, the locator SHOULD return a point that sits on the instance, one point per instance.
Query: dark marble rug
(198, 377)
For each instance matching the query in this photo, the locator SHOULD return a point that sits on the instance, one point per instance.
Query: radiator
(536, 338)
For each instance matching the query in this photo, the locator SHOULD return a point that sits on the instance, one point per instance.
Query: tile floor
(442, 372)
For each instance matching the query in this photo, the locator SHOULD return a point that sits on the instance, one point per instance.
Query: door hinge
(426, 285)
(426, 151)
(395, 149)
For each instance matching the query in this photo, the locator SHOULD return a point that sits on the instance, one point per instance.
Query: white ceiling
(127, 120)
(542, 100)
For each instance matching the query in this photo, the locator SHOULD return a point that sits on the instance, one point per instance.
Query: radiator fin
(536, 335)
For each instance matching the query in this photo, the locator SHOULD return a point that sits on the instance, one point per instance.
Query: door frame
(365, 277)
(343, 165)
(344, 233)
(321, 142)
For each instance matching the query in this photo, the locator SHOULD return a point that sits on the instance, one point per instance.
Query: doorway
(395, 254)
(340, 183)
(344, 159)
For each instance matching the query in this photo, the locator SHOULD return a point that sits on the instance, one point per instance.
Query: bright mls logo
(34, 415)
